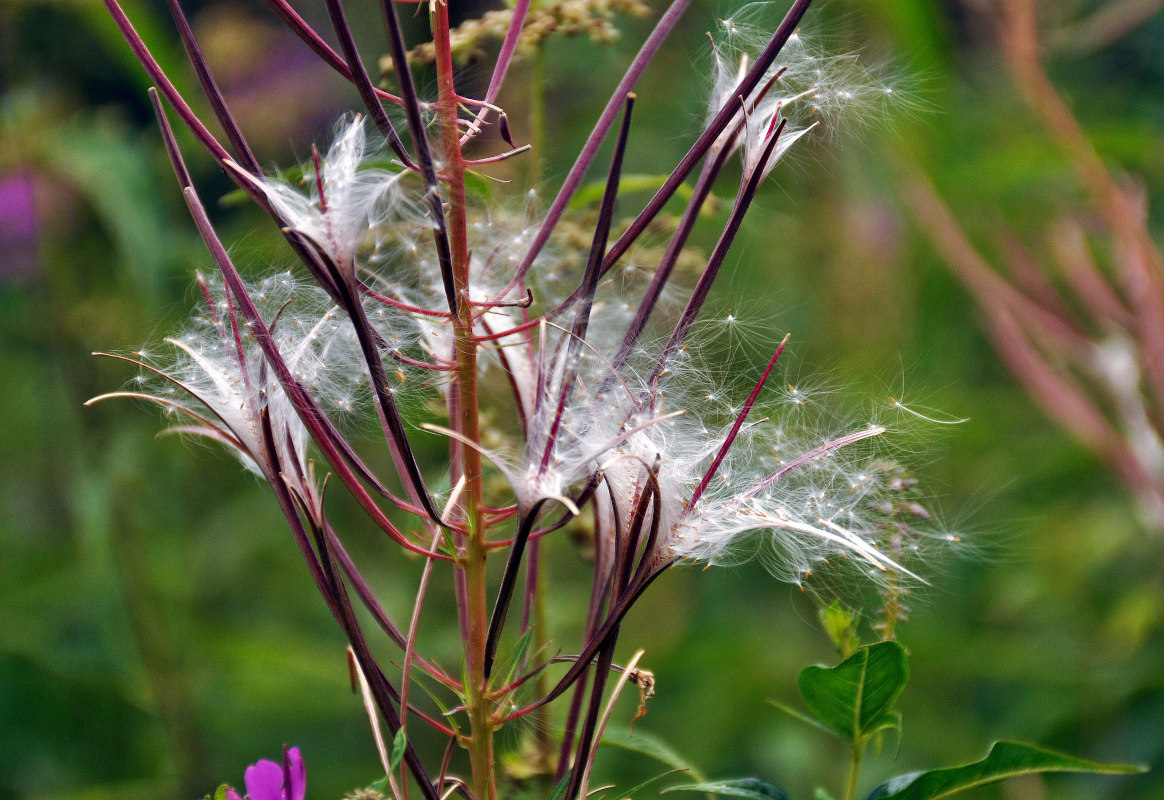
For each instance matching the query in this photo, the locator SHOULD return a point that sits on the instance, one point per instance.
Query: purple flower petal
(264, 781)
(295, 775)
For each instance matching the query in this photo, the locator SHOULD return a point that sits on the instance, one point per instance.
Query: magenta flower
(266, 780)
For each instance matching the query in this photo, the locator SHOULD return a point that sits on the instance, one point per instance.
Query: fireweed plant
(410, 283)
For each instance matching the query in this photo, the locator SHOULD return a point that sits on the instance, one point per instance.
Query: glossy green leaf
(752, 788)
(1005, 760)
(854, 697)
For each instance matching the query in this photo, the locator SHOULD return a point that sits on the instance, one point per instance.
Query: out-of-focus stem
(471, 559)
(537, 117)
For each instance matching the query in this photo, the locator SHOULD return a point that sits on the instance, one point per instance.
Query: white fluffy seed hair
(813, 88)
(357, 199)
(824, 507)
(316, 342)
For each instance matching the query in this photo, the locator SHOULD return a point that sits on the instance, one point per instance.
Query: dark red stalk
(711, 271)
(287, 504)
(597, 136)
(750, 81)
(432, 187)
(586, 737)
(508, 47)
(595, 642)
(372, 603)
(706, 139)
(337, 450)
(532, 571)
(650, 497)
(210, 89)
(731, 437)
(703, 186)
(504, 57)
(380, 297)
(397, 436)
(244, 179)
(602, 580)
(382, 691)
(154, 70)
(589, 281)
(362, 82)
(525, 525)
(321, 48)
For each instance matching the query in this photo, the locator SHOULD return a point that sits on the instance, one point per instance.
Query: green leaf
(450, 718)
(506, 669)
(840, 624)
(479, 185)
(399, 745)
(801, 716)
(653, 747)
(890, 722)
(821, 794)
(752, 788)
(591, 193)
(1005, 760)
(560, 790)
(220, 792)
(853, 697)
(628, 793)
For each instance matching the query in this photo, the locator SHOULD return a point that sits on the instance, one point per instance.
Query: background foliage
(157, 629)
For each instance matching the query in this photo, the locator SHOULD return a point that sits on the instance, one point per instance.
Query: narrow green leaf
(479, 185)
(821, 794)
(1005, 760)
(628, 793)
(653, 747)
(446, 712)
(801, 716)
(752, 788)
(220, 792)
(853, 697)
(560, 790)
(506, 669)
(399, 745)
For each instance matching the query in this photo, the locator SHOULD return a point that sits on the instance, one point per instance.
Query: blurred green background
(158, 631)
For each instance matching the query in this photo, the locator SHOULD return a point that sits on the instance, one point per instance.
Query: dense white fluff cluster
(786, 484)
(219, 381)
(345, 201)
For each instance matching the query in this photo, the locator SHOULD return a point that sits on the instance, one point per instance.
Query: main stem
(854, 770)
(471, 559)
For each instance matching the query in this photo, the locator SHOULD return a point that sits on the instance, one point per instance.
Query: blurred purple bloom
(266, 780)
(20, 224)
